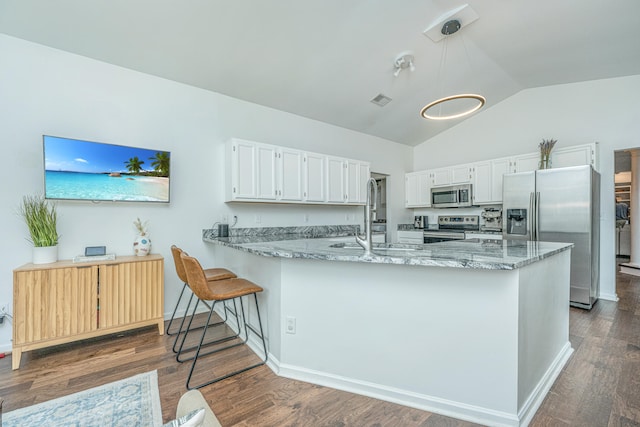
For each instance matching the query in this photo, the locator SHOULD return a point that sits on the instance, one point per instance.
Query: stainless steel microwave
(453, 196)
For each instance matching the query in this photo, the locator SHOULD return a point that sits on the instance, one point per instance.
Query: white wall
(606, 111)
(47, 91)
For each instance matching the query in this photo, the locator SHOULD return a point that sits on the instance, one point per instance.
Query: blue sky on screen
(62, 154)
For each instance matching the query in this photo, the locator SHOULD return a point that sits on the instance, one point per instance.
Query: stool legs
(247, 328)
(186, 330)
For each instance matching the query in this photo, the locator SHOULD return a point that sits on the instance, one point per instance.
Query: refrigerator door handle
(537, 216)
(531, 220)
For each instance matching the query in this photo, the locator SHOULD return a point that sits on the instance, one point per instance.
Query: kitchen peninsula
(474, 329)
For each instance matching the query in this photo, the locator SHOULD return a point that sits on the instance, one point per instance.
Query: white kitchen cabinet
(266, 172)
(242, 170)
(352, 182)
(410, 236)
(576, 155)
(462, 174)
(364, 173)
(526, 162)
(290, 165)
(440, 177)
(314, 177)
(336, 169)
(481, 235)
(418, 189)
(482, 184)
(259, 172)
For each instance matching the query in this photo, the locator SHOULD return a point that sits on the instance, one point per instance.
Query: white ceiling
(326, 59)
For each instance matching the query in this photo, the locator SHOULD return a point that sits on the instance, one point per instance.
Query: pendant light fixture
(452, 106)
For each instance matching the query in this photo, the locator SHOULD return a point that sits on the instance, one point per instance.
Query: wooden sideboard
(65, 301)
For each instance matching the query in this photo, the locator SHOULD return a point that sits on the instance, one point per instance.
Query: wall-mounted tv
(85, 170)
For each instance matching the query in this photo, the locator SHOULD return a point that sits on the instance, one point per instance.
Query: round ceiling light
(463, 105)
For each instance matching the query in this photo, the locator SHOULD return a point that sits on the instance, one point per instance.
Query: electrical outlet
(258, 219)
(290, 327)
(306, 217)
(225, 219)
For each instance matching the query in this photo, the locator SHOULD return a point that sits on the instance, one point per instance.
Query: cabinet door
(266, 172)
(353, 181)
(335, 180)
(526, 163)
(243, 167)
(462, 174)
(498, 168)
(314, 173)
(573, 156)
(364, 173)
(290, 175)
(482, 183)
(54, 303)
(440, 177)
(411, 190)
(131, 292)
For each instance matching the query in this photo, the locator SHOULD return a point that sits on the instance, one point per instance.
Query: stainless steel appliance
(492, 219)
(559, 205)
(420, 221)
(451, 227)
(452, 196)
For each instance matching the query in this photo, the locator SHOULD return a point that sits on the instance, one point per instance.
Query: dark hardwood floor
(600, 385)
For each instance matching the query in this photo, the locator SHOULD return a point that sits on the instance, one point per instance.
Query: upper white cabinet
(462, 174)
(575, 156)
(315, 177)
(526, 163)
(440, 177)
(262, 172)
(336, 170)
(290, 184)
(266, 172)
(487, 176)
(418, 189)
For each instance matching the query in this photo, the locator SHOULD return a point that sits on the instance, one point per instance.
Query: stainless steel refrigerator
(559, 205)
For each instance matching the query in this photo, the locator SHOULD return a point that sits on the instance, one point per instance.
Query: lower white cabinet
(483, 236)
(410, 236)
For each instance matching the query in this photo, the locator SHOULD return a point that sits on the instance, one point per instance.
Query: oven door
(442, 236)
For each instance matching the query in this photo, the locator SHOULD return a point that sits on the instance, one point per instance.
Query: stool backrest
(176, 252)
(197, 279)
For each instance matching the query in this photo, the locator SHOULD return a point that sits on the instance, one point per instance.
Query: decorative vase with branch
(142, 243)
(41, 218)
(545, 153)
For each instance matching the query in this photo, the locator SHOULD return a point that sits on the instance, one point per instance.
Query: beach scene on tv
(84, 170)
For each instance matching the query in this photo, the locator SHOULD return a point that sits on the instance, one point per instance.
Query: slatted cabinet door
(131, 293)
(54, 303)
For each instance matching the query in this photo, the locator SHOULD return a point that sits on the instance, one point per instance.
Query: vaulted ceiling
(326, 59)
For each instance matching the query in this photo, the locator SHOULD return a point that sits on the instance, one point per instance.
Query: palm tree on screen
(134, 165)
(160, 163)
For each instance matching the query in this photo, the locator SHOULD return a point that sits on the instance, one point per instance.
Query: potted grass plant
(41, 218)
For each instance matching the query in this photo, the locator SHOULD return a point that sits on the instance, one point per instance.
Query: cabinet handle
(234, 189)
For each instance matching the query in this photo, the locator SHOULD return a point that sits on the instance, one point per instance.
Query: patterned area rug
(134, 401)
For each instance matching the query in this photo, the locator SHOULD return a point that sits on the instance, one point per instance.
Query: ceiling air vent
(381, 100)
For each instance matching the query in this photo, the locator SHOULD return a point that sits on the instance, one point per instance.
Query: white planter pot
(45, 254)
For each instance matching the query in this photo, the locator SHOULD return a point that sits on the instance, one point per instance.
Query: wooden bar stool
(219, 291)
(210, 273)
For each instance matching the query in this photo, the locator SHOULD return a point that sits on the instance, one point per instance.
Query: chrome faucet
(369, 209)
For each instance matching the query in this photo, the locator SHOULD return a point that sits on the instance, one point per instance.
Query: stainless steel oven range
(451, 227)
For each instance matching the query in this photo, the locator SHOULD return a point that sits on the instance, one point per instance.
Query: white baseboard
(542, 388)
(423, 402)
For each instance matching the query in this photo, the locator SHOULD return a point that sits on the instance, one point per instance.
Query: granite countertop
(472, 253)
